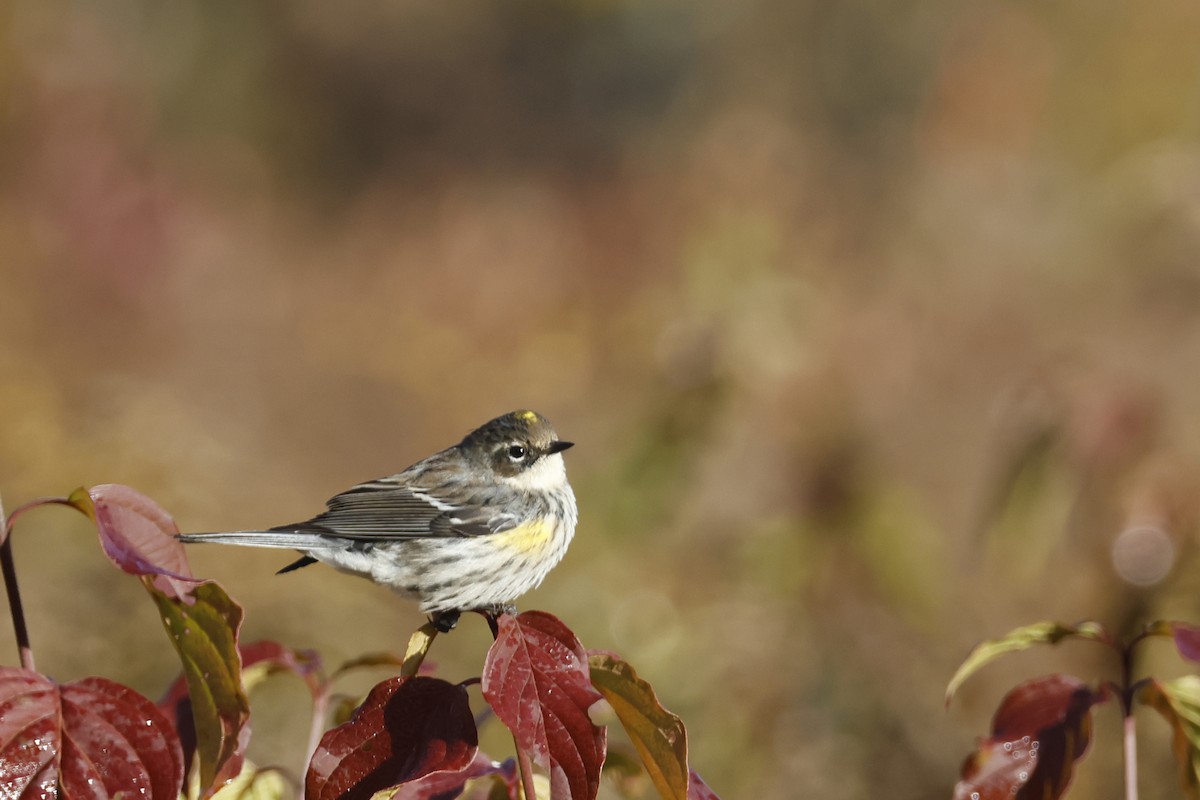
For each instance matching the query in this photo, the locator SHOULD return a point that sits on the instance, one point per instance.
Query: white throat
(548, 473)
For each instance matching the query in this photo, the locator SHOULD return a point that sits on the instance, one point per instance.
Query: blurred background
(877, 327)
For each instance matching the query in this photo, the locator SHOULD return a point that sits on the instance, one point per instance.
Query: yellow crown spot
(528, 416)
(528, 538)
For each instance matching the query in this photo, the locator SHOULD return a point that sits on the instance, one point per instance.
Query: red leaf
(536, 680)
(438, 785)
(698, 789)
(139, 536)
(406, 728)
(1040, 730)
(30, 733)
(92, 738)
(1187, 640)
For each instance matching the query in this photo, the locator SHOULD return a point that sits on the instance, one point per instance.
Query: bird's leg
(492, 613)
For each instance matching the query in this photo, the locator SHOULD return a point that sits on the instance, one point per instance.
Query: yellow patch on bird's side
(529, 537)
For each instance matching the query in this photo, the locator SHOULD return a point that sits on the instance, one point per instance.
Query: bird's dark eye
(516, 452)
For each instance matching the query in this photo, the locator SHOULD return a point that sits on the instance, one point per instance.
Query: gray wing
(387, 509)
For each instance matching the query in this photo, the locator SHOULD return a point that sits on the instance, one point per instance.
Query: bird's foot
(444, 621)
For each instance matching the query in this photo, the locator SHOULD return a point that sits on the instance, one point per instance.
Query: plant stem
(316, 730)
(418, 647)
(1131, 789)
(1127, 691)
(526, 768)
(14, 594)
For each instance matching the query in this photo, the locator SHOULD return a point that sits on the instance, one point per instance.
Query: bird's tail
(289, 540)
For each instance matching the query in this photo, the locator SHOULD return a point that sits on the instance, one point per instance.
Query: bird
(470, 528)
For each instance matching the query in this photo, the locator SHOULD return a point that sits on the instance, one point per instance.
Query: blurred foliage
(876, 325)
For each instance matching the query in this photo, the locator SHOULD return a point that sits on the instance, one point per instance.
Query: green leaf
(658, 735)
(1179, 703)
(1021, 639)
(203, 628)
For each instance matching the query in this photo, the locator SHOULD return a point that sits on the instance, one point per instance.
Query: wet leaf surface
(92, 738)
(537, 680)
(204, 632)
(1040, 730)
(406, 729)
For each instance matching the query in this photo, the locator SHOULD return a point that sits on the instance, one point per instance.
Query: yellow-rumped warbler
(471, 528)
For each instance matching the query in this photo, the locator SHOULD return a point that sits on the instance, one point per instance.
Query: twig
(1128, 689)
(418, 647)
(526, 768)
(316, 730)
(1131, 789)
(14, 593)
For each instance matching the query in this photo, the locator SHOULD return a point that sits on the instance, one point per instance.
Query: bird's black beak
(558, 447)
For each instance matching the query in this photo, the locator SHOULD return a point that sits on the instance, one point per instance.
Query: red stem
(315, 731)
(9, 568)
(14, 593)
(1131, 788)
(526, 768)
(1128, 689)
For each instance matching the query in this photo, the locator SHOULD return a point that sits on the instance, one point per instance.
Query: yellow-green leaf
(1179, 703)
(658, 735)
(418, 648)
(204, 632)
(82, 501)
(255, 784)
(1021, 639)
